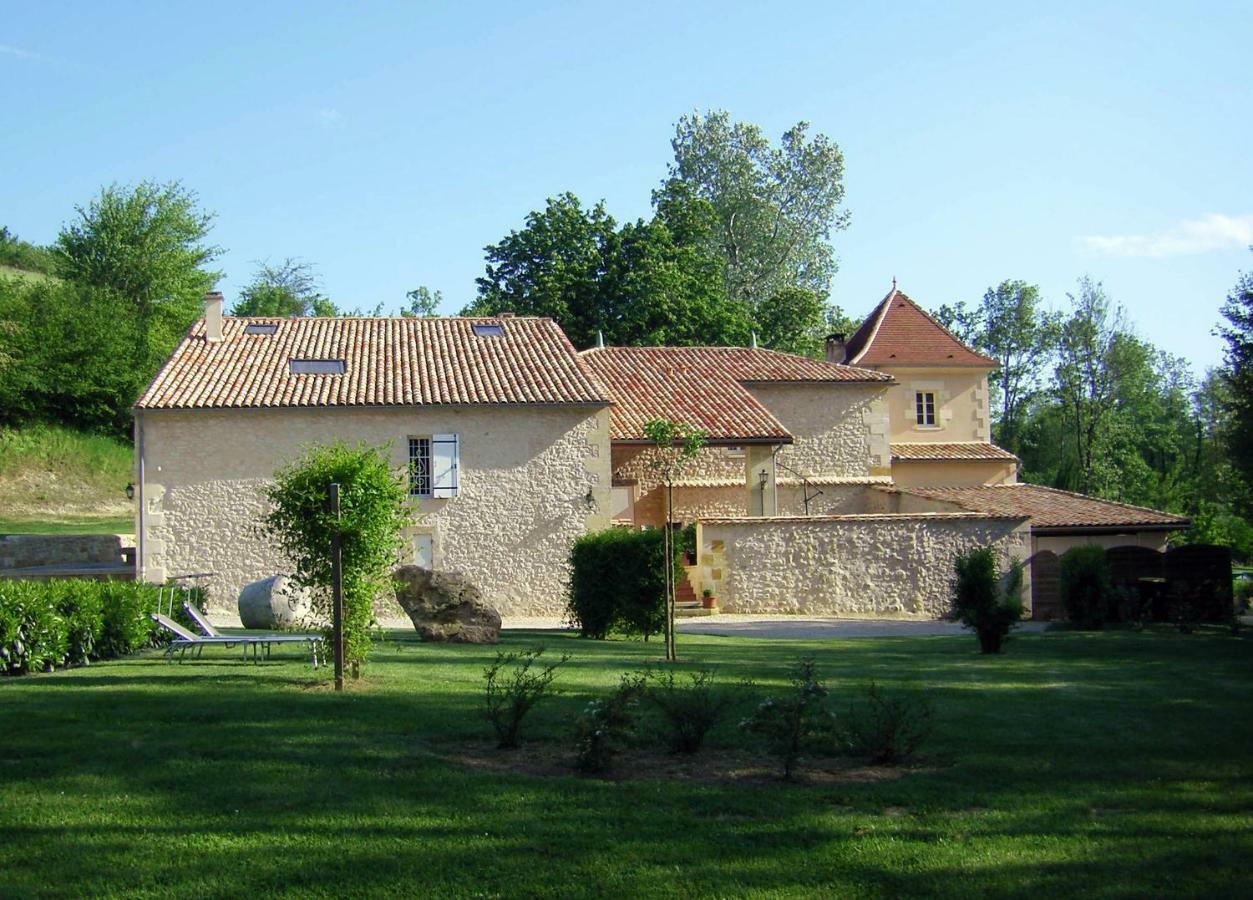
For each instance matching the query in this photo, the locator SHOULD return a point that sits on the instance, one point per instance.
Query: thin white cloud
(329, 117)
(1211, 232)
(10, 50)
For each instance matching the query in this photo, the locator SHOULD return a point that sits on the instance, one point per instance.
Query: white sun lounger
(184, 640)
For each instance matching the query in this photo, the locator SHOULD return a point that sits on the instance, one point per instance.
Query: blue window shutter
(445, 462)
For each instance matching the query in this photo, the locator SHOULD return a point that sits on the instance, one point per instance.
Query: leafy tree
(1237, 332)
(1091, 345)
(289, 288)
(1010, 325)
(423, 303)
(776, 206)
(64, 351)
(374, 510)
(674, 446)
(632, 284)
(147, 245)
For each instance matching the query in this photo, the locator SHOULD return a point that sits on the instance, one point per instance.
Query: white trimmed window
(434, 464)
(924, 408)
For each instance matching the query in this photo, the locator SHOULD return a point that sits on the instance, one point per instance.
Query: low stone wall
(24, 551)
(849, 565)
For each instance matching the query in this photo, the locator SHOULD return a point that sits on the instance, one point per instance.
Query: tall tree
(776, 207)
(1237, 332)
(1085, 376)
(146, 244)
(423, 303)
(290, 288)
(634, 284)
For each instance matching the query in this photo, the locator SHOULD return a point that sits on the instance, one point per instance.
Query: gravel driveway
(793, 627)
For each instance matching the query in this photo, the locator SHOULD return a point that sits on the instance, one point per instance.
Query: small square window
(317, 366)
(734, 452)
(260, 328)
(924, 408)
(487, 329)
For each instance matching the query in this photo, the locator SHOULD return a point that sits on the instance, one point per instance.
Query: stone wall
(525, 473)
(854, 565)
(21, 551)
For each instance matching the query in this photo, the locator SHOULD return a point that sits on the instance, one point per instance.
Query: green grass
(58, 480)
(1109, 765)
(7, 271)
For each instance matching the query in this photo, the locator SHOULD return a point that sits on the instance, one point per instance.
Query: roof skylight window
(317, 366)
(260, 328)
(488, 329)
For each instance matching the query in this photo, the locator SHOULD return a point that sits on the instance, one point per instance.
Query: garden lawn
(1113, 764)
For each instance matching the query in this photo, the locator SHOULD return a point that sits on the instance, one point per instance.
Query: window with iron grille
(924, 407)
(419, 467)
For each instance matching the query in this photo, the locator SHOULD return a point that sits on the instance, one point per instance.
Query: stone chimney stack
(213, 316)
(835, 348)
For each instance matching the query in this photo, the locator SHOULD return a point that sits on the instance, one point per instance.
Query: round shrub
(617, 582)
(984, 600)
(1086, 587)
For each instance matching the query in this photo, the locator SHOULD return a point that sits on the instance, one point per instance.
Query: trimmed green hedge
(47, 624)
(617, 583)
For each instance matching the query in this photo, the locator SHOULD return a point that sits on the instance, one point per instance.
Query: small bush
(81, 604)
(689, 708)
(512, 689)
(125, 606)
(617, 582)
(886, 728)
(33, 635)
(984, 600)
(605, 725)
(792, 723)
(1086, 587)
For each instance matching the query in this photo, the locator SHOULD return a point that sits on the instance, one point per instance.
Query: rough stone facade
(525, 476)
(861, 565)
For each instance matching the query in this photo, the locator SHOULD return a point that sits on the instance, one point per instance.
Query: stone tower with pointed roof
(939, 421)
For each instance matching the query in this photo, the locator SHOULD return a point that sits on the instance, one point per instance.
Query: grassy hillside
(55, 479)
(23, 274)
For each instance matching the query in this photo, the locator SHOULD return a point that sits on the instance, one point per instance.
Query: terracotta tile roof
(389, 362)
(956, 450)
(1050, 508)
(899, 332)
(705, 387)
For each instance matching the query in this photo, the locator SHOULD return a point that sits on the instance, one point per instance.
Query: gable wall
(962, 399)
(524, 477)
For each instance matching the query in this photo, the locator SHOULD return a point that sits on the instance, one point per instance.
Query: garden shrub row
(884, 728)
(617, 583)
(48, 624)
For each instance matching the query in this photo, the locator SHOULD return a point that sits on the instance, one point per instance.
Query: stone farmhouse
(841, 486)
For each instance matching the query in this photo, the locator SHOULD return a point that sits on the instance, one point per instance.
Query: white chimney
(213, 317)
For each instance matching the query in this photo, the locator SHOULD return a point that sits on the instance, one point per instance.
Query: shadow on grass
(1112, 764)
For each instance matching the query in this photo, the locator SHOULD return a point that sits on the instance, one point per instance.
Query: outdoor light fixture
(130, 491)
(590, 499)
(763, 476)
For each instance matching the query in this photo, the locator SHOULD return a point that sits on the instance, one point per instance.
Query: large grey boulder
(445, 606)
(274, 602)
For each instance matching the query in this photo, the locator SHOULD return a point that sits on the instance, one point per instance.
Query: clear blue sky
(388, 143)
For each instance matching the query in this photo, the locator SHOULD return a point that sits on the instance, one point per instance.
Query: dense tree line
(1089, 405)
(738, 243)
(108, 301)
